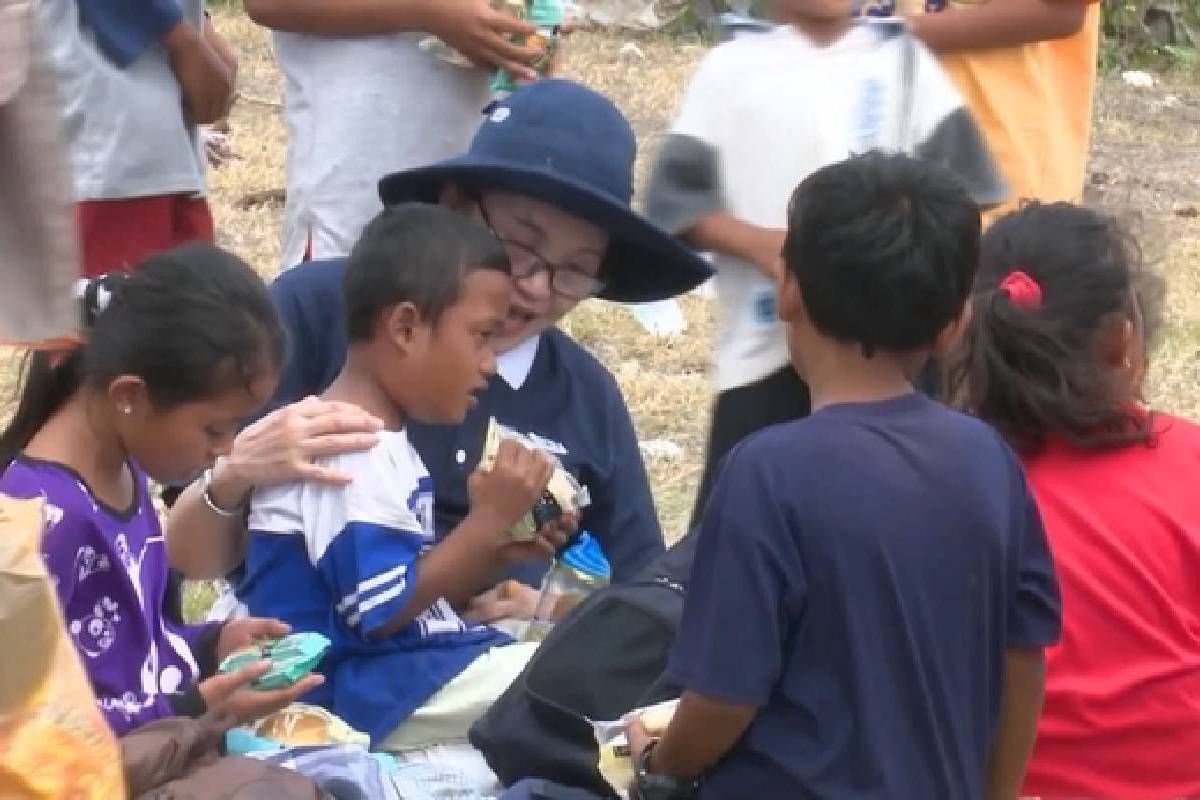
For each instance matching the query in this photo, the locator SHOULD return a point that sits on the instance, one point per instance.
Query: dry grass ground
(1146, 152)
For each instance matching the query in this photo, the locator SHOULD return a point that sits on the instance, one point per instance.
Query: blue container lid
(586, 556)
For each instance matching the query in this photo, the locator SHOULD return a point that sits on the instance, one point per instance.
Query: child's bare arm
(721, 232)
(219, 46)
(702, 731)
(1000, 24)
(340, 17)
(1024, 688)
(685, 197)
(480, 547)
(473, 27)
(205, 79)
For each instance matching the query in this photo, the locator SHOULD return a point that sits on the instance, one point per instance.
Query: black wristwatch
(660, 787)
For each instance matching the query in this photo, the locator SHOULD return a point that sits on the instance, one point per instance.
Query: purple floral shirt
(110, 569)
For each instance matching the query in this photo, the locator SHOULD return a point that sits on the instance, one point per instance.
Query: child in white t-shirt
(363, 100)
(762, 113)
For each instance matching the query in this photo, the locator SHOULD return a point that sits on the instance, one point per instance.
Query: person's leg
(449, 714)
(538, 789)
(737, 413)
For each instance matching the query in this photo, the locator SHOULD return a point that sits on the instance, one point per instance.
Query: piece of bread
(301, 725)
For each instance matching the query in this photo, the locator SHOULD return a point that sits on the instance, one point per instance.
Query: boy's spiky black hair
(417, 253)
(884, 248)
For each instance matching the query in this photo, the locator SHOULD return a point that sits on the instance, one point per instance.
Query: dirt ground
(1145, 155)
(1145, 159)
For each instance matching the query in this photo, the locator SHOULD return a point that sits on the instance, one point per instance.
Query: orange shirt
(1034, 105)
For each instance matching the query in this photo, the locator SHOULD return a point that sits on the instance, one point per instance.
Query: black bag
(604, 659)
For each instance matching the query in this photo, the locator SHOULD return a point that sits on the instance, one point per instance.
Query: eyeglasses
(568, 283)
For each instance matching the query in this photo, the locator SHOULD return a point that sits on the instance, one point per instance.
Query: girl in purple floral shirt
(175, 357)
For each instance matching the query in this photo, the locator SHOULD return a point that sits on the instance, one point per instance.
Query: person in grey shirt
(135, 81)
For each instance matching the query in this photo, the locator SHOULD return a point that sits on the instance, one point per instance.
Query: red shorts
(117, 235)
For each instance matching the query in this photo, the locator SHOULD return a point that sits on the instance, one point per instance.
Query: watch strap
(652, 786)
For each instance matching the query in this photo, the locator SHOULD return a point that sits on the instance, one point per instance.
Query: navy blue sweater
(568, 399)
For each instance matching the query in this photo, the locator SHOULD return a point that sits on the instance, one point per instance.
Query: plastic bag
(616, 763)
(292, 658)
(303, 725)
(563, 494)
(53, 741)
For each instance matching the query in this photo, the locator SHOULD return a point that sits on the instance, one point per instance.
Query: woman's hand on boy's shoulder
(285, 445)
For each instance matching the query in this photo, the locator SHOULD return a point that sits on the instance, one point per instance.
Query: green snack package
(548, 16)
(291, 657)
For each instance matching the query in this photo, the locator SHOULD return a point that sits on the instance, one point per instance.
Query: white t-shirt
(359, 108)
(774, 108)
(125, 127)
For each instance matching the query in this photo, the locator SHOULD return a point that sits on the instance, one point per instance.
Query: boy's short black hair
(885, 249)
(416, 253)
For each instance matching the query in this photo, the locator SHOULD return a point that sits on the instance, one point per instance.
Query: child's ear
(791, 301)
(401, 323)
(1119, 343)
(950, 336)
(128, 394)
(454, 198)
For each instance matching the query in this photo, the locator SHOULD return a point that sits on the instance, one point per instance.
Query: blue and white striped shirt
(342, 561)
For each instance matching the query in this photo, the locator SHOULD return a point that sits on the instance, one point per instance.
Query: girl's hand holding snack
(232, 694)
(240, 633)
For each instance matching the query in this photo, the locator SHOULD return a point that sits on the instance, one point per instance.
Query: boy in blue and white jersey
(425, 290)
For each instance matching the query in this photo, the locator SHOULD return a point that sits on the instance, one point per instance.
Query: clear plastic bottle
(579, 571)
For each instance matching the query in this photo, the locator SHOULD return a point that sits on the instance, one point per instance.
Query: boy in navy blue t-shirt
(872, 588)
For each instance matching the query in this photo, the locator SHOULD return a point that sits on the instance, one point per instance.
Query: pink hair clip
(1021, 290)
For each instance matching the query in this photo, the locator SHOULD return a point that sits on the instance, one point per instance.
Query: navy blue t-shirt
(569, 402)
(858, 578)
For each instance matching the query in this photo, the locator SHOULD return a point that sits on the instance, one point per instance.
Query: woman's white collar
(515, 364)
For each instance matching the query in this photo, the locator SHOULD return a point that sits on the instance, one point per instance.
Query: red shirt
(1122, 713)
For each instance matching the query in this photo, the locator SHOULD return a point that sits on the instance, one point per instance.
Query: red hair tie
(1021, 290)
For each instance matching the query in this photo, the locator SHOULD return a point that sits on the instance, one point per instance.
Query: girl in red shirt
(1054, 357)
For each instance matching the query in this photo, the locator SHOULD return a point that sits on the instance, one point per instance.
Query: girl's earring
(127, 410)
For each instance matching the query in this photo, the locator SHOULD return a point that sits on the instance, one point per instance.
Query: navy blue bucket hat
(561, 143)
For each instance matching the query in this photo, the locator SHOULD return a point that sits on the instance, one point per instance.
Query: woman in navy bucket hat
(565, 145)
(551, 172)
